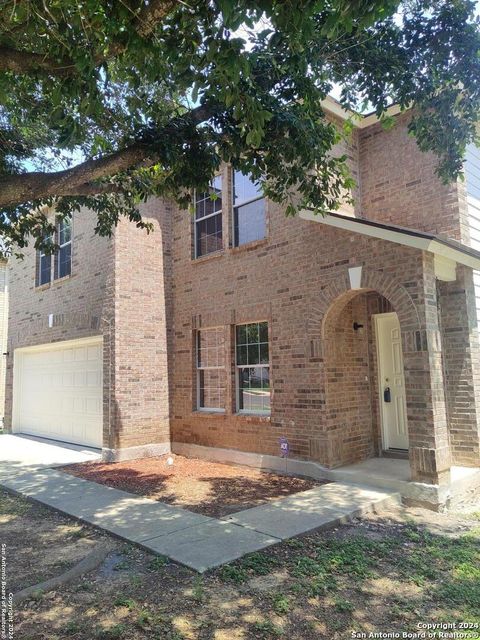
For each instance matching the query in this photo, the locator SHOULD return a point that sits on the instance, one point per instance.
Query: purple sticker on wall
(284, 447)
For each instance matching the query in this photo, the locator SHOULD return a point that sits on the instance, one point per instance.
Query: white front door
(393, 406)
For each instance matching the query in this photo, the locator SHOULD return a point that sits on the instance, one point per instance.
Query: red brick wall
(398, 183)
(138, 349)
(284, 279)
(81, 301)
(461, 361)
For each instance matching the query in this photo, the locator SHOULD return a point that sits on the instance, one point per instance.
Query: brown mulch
(209, 488)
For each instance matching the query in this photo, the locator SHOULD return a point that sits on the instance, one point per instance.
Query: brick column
(461, 354)
(139, 337)
(429, 447)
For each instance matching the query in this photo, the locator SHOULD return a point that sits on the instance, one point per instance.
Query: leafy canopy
(105, 103)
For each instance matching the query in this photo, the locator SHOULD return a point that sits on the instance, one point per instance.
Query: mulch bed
(209, 488)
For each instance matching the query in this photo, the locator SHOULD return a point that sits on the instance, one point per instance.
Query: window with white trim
(248, 210)
(211, 373)
(252, 368)
(63, 255)
(208, 219)
(44, 267)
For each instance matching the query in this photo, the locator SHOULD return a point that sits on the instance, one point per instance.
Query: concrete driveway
(19, 453)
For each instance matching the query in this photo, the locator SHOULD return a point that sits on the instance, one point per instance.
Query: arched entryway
(348, 429)
(364, 379)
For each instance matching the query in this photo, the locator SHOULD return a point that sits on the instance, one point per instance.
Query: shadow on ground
(386, 574)
(211, 489)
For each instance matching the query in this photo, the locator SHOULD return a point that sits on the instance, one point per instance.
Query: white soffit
(446, 255)
(358, 120)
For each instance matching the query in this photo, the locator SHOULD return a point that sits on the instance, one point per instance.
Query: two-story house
(354, 336)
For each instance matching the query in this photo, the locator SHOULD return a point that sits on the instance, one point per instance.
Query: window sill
(209, 256)
(64, 279)
(209, 412)
(43, 287)
(249, 246)
(260, 417)
(52, 283)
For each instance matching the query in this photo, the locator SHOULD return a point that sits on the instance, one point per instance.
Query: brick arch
(338, 293)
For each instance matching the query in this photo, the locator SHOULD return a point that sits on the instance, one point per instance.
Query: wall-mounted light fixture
(357, 326)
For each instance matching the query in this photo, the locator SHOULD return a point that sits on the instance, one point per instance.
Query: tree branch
(145, 22)
(80, 180)
(151, 14)
(25, 62)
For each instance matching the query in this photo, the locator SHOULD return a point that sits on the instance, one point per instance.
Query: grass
(12, 505)
(158, 563)
(255, 564)
(445, 570)
(281, 604)
(198, 591)
(115, 631)
(378, 574)
(123, 601)
(266, 629)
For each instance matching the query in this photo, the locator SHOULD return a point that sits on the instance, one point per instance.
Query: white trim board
(359, 120)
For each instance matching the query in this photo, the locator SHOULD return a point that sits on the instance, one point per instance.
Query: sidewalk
(191, 539)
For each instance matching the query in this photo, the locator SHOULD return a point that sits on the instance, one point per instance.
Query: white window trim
(250, 366)
(243, 203)
(56, 255)
(246, 412)
(210, 215)
(42, 254)
(199, 368)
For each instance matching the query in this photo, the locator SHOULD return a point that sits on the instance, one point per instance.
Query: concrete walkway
(20, 452)
(194, 540)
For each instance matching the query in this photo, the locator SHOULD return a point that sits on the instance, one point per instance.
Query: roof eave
(440, 247)
(358, 120)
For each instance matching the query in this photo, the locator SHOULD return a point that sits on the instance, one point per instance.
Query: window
(211, 378)
(472, 171)
(248, 210)
(44, 268)
(63, 256)
(253, 371)
(208, 219)
(61, 259)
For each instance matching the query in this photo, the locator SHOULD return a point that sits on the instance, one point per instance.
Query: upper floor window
(248, 210)
(472, 171)
(211, 373)
(61, 261)
(253, 370)
(208, 219)
(44, 268)
(63, 256)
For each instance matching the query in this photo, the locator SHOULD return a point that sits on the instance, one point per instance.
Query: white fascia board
(354, 225)
(358, 120)
(451, 253)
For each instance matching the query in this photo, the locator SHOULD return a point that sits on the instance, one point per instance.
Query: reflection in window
(211, 377)
(248, 211)
(208, 219)
(63, 256)
(253, 371)
(44, 267)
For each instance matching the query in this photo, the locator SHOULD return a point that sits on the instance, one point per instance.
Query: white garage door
(58, 391)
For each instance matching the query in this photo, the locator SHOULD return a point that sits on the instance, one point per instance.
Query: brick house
(354, 336)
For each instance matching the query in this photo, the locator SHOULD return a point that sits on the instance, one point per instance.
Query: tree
(104, 104)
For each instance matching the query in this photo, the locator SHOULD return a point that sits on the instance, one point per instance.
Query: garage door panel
(59, 392)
